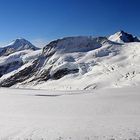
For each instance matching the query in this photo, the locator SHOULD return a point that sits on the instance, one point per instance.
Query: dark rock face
(44, 76)
(126, 37)
(20, 76)
(9, 67)
(61, 73)
(28, 72)
(6, 52)
(49, 49)
(33, 70)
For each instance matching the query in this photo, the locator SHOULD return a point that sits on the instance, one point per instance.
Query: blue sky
(44, 20)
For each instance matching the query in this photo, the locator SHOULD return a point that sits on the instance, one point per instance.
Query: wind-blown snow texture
(73, 63)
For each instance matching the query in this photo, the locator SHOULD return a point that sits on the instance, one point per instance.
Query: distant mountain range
(72, 63)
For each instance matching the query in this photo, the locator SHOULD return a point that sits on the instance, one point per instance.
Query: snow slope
(111, 114)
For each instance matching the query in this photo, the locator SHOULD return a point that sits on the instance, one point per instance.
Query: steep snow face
(17, 45)
(75, 44)
(123, 37)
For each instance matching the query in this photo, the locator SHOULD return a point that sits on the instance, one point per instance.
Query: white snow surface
(111, 114)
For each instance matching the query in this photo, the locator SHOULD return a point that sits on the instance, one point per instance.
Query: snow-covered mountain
(75, 63)
(17, 45)
(16, 54)
(123, 37)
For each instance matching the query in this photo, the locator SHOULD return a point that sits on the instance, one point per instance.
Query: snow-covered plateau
(74, 88)
(109, 114)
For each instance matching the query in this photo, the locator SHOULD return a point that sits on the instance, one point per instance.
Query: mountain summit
(123, 37)
(17, 45)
